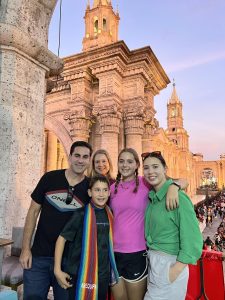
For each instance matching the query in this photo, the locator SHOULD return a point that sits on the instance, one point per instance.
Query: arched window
(96, 25)
(104, 24)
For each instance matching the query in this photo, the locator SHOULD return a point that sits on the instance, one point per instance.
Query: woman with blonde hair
(102, 164)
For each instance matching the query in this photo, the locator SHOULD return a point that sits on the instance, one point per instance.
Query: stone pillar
(147, 138)
(109, 118)
(151, 123)
(24, 64)
(52, 144)
(62, 162)
(107, 109)
(133, 131)
(134, 127)
(79, 116)
(79, 121)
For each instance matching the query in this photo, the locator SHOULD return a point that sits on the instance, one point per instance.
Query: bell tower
(175, 130)
(101, 25)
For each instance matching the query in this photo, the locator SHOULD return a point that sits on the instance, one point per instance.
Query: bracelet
(174, 183)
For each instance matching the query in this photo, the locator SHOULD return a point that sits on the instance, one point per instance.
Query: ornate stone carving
(106, 87)
(134, 119)
(109, 117)
(79, 121)
(151, 125)
(80, 91)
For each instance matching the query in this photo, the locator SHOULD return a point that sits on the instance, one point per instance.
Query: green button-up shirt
(174, 232)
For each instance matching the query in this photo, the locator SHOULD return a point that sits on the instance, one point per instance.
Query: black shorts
(132, 267)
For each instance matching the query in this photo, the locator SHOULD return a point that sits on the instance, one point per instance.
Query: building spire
(101, 2)
(175, 128)
(174, 98)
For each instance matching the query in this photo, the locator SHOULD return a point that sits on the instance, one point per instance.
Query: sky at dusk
(188, 38)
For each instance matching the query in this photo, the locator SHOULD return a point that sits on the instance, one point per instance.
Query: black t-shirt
(73, 232)
(51, 193)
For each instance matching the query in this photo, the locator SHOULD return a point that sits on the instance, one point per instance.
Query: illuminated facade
(105, 96)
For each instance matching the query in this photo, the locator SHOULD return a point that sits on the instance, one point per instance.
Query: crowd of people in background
(208, 212)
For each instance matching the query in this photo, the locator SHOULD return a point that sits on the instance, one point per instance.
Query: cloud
(193, 62)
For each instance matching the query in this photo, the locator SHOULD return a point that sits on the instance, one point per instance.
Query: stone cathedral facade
(105, 95)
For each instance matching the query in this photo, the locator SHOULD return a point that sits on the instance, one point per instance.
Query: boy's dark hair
(80, 144)
(100, 178)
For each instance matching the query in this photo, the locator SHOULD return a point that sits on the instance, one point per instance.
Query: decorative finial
(174, 82)
(88, 4)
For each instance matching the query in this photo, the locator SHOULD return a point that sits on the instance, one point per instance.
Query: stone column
(107, 108)
(79, 117)
(134, 128)
(133, 131)
(109, 118)
(151, 123)
(147, 144)
(79, 122)
(24, 64)
(62, 162)
(52, 145)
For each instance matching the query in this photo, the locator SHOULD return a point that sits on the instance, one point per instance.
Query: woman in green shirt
(173, 237)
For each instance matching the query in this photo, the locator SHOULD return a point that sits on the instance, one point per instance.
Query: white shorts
(159, 286)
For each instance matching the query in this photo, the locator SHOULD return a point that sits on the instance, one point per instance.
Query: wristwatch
(174, 183)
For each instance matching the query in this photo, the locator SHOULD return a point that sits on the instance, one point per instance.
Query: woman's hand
(172, 198)
(175, 271)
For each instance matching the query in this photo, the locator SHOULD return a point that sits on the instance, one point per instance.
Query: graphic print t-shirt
(51, 193)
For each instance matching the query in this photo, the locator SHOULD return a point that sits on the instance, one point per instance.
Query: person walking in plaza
(173, 237)
(57, 195)
(128, 200)
(90, 258)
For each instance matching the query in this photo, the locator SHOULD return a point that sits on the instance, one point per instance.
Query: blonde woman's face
(101, 164)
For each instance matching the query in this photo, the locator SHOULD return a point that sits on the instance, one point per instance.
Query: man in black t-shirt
(57, 195)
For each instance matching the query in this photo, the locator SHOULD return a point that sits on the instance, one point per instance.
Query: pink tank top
(129, 210)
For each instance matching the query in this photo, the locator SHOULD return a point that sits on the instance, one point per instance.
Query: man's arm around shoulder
(30, 223)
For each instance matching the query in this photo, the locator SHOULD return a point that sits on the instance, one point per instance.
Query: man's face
(80, 160)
